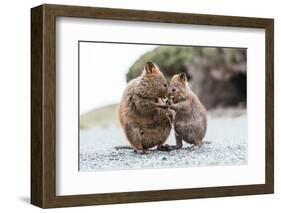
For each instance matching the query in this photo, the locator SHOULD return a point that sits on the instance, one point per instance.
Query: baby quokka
(190, 117)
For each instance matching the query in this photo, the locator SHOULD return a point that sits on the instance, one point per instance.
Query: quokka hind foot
(143, 151)
(165, 148)
(196, 145)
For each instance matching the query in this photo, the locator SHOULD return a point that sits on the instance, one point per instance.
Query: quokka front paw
(163, 106)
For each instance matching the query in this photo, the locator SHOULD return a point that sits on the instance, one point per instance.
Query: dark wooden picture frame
(43, 105)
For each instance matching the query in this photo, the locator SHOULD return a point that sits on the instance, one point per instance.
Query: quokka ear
(183, 77)
(149, 67)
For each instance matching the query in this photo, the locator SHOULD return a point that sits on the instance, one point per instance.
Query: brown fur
(145, 124)
(190, 118)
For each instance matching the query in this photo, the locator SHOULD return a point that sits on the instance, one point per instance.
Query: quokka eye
(165, 85)
(173, 90)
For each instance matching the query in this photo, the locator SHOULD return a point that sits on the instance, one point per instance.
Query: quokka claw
(195, 147)
(143, 151)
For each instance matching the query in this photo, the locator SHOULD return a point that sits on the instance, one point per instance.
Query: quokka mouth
(168, 99)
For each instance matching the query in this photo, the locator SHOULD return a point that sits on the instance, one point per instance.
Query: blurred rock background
(217, 75)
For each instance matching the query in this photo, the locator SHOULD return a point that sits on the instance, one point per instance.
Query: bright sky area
(103, 68)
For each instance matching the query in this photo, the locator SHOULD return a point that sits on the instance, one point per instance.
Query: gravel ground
(226, 145)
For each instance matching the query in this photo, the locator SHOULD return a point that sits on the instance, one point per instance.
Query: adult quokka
(190, 116)
(144, 123)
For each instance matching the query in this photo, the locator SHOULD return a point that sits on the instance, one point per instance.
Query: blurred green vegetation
(103, 117)
(218, 75)
(171, 60)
